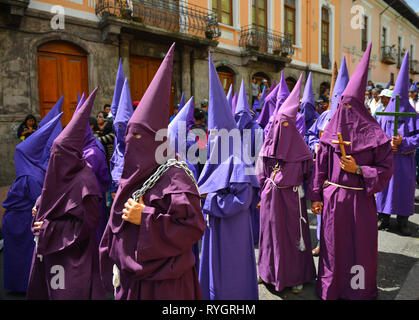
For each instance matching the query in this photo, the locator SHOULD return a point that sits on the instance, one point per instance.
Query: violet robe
(348, 217)
(281, 263)
(399, 196)
(65, 263)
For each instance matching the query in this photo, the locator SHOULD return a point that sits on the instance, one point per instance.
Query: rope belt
(300, 192)
(327, 183)
(406, 153)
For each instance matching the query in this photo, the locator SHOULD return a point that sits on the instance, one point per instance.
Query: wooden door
(62, 69)
(142, 71)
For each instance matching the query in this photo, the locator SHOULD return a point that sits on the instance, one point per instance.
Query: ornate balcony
(170, 16)
(388, 55)
(260, 39)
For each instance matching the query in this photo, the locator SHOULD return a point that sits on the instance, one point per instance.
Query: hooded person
(285, 258)
(343, 191)
(95, 155)
(23, 193)
(230, 96)
(65, 263)
(252, 140)
(228, 185)
(339, 81)
(120, 122)
(146, 250)
(282, 94)
(268, 107)
(308, 105)
(119, 83)
(182, 102)
(398, 197)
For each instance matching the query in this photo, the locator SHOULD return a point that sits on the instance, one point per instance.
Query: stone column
(124, 52)
(186, 72)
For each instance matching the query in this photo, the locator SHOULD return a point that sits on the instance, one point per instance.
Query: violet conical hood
(55, 110)
(119, 82)
(352, 119)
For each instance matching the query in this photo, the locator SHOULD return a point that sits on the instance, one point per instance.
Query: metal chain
(159, 173)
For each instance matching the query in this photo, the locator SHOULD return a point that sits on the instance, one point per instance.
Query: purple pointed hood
(225, 164)
(29, 154)
(120, 123)
(285, 142)
(308, 106)
(352, 119)
(268, 107)
(407, 125)
(243, 116)
(57, 130)
(55, 110)
(119, 82)
(69, 179)
(182, 101)
(234, 103)
(151, 116)
(338, 88)
(282, 94)
(230, 96)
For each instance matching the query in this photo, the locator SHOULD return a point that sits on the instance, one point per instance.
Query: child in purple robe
(23, 193)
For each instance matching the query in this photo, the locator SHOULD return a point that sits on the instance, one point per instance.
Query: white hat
(386, 93)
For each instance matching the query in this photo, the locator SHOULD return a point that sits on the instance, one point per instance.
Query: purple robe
(399, 197)
(348, 236)
(65, 261)
(228, 267)
(349, 216)
(23, 193)
(285, 258)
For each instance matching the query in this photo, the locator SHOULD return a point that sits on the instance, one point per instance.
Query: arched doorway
(226, 76)
(62, 69)
(290, 83)
(259, 76)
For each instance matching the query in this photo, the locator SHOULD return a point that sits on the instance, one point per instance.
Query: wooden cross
(396, 115)
(275, 170)
(342, 144)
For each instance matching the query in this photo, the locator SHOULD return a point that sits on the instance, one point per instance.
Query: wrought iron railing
(170, 15)
(388, 55)
(264, 40)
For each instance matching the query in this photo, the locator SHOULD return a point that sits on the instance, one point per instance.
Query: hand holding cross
(342, 144)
